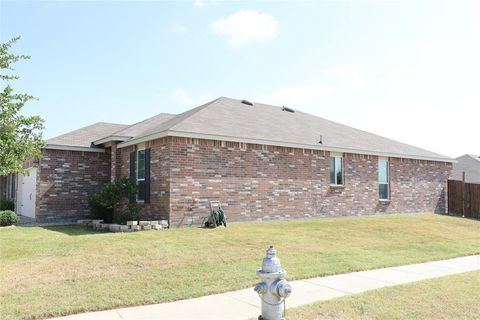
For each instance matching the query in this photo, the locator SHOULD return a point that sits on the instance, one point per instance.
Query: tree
(20, 136)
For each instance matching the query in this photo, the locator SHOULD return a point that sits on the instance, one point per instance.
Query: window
(141, 175)
(336, 170)
(383, 180)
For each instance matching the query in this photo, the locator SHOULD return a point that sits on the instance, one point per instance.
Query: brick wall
(419, 186)
(158, 208)
(67, 181)
(253, 182)
(256, 182)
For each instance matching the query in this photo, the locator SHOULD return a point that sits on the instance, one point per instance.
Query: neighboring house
(470, 164)
(262, 162)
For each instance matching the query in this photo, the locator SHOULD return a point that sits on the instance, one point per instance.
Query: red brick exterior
(158, 208)
(253, 182)
(67, 181)
(256, 182)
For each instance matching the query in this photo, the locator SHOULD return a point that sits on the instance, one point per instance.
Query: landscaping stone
(85, 222)
(96, 224)
(164, 223)
(104, 226)
(99, 224)
(135, 228)
(114, 227)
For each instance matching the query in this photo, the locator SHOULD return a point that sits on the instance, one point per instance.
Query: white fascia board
(72, 148)
(276, 143)
(110, 138)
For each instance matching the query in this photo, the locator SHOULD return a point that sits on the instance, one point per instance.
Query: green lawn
(62, 270)
(452, 297)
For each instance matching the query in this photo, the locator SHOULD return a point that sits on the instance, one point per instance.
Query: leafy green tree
(20, 136)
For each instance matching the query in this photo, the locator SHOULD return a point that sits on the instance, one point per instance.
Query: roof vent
(288, 109)
(321, 139)
(247, 102)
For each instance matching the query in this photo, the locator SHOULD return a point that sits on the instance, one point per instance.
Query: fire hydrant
(274, 289)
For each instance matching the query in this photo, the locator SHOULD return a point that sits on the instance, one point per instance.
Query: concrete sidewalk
(245, 304)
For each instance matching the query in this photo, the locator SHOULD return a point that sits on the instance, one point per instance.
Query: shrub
(116, 199)
(7, 205)
(7, 218)
(99, 211)
(129, 213)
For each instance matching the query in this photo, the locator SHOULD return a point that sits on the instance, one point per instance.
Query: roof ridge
(85, 127)
(195, 110)
(144, 120)
(474, 156)
(177, 119)
(269, 124)
(104, 122)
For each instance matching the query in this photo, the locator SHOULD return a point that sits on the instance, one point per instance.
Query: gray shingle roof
(84, 137)
(230, 119)
(226, 118)
(470, 164)
(142, 126)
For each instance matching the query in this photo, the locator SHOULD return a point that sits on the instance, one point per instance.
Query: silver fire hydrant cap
(271, 263)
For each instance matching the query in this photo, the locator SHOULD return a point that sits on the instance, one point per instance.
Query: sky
(406, 70)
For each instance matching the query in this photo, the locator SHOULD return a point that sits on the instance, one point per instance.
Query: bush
(7, 218)
(7, 205)
(101, 212)
(130, 213)
(116, 201)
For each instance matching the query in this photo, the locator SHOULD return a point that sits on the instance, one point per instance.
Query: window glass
(141, 175)
(339, 170)
(141, 165)
(383, 180)
(332, 170)
(141, 191)
(383, 191)
(383, 171)
(336, 170)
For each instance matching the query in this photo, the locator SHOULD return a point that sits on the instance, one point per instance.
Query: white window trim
(337, 155)
(388, 180)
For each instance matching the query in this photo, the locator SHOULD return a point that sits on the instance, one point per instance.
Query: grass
(57, 271)
(451, 297)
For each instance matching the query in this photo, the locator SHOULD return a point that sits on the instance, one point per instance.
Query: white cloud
(299, 96)
(246, 26)
(178, 29)
(182, 98)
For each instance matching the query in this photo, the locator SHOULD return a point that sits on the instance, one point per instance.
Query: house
(470, 164)
(262, 162)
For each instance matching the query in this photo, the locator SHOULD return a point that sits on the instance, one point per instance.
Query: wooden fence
(464, 199)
